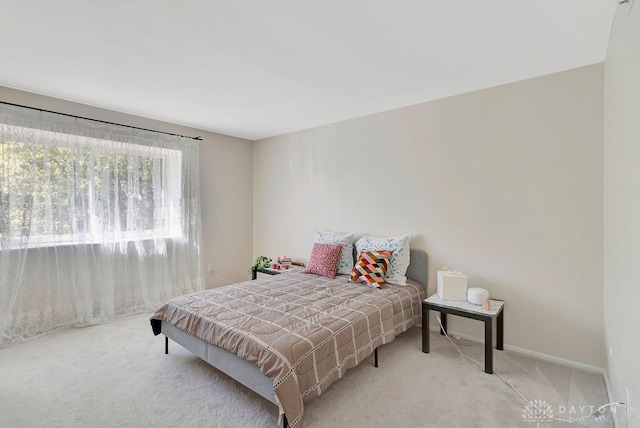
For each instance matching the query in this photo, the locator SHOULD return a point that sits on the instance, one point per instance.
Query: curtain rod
(100, 121)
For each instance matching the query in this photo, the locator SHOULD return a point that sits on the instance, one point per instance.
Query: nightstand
(268, 271)
(467, 310)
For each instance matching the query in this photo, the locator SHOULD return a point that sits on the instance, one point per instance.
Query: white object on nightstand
(477, 295)
(452, 285)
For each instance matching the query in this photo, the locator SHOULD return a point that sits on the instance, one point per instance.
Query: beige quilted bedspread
(303, 331)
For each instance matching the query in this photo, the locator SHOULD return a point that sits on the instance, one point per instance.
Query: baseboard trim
(554, 359)
(545, 357)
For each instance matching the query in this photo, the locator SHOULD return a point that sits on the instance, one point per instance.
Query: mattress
(303, 331)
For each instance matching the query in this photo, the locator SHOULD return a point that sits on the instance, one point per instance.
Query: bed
(288, 337)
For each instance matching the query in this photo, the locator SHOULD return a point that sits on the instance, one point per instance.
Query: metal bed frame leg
(166, 345)
(375, 357)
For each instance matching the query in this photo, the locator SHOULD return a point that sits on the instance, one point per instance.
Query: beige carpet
(117, 375)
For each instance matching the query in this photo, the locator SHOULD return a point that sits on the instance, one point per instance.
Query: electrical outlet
(210, 268)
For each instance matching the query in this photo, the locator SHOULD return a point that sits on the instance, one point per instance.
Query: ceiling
(256, 68)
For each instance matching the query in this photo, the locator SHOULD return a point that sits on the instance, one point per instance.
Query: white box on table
(452, 284)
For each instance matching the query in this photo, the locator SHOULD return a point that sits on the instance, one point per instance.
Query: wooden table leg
(488, 345)
(425, 330)
(500, 331)
(443, 321)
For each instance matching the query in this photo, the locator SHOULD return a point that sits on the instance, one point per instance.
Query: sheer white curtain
(96, 220)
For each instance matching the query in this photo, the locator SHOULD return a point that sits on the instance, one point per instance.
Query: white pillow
(399, 262)
(345, 264)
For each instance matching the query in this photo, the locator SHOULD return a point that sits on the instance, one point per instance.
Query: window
(96, 220)
(61, 189)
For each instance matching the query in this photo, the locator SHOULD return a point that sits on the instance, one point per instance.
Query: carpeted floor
(117, 375)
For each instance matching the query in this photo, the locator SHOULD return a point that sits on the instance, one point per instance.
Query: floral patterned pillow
(399, 262)
(345, 264)
(371, 267)
(324, 259)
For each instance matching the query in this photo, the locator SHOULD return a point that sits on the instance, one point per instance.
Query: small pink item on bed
(324, 260)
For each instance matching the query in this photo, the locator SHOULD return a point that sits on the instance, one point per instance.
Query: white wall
(504, 183)
(226, 187)
(622, 206)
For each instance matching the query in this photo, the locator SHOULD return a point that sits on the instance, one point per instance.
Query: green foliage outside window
(54, 190)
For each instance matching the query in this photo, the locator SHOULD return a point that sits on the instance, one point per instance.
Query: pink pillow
(324, 259)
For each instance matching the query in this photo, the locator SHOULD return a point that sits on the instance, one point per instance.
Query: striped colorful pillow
(324, 259)
(371, 267)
